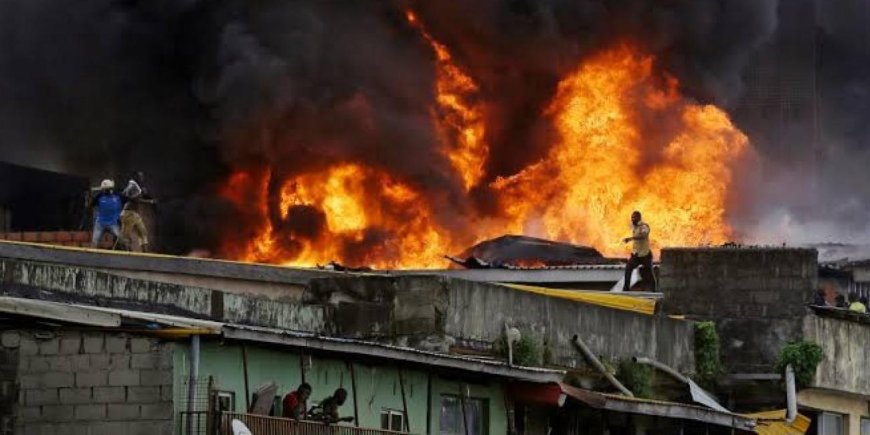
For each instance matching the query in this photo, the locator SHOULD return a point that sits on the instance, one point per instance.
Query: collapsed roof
(523, 251)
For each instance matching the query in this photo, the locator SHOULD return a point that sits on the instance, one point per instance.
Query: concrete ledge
(159, 263)
(65, 283)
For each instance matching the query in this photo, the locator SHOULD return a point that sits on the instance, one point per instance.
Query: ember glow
(625, 139)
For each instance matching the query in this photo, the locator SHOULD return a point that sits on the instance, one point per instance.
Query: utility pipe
(790, 395)
(665, 368)
(578, 342)
(245, 376)
(510, 345)
(355, 401)
(404, 400)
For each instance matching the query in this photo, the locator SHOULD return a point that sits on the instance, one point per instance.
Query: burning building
(389, 135)
(614, 134)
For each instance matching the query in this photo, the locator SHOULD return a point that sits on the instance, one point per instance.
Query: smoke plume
(191, 91)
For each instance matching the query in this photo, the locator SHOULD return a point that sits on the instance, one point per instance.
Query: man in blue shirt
(107, 207)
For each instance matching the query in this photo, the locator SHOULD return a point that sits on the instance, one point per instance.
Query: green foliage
(636, 377)
(527, 351)
(804, 356)
(708, 364)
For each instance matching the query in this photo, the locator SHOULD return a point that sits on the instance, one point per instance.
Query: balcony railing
(221, 424)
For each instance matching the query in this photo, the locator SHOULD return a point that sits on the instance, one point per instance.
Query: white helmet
(107, 184)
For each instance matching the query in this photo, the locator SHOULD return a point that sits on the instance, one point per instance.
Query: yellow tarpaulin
(619, 301)
(773, 423)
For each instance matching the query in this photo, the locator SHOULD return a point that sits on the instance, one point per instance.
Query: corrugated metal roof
(392, 352)
(113, 318)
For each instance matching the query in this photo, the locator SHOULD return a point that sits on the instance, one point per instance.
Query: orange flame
(605, 165)
(626, 140)
(458, 115)
(355, 204)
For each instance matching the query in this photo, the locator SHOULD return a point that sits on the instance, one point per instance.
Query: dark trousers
(646, 272)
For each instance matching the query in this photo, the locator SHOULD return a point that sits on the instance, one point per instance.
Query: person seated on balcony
(855, 304)
(327, 411)
(819, 299)
(840, 302)
(295, 403)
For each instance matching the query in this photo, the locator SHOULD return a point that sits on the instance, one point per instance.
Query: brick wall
(756, 296)
(80, 382)
(62, 238)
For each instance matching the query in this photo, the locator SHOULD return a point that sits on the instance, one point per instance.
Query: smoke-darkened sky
(189, 90)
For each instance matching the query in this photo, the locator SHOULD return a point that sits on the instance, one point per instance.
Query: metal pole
(245, 373)
(428, 402)
(404, 401)
(302, 365)
(191, 384)
(462, 405)
(353, 387)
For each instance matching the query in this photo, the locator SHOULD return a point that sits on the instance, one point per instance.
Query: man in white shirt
(641, 255)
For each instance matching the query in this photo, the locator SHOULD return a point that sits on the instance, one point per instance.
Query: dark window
(865, 426)
(830, 424)
(456, 412)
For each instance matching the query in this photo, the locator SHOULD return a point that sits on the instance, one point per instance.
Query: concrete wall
(435, 313)
(73, 382)
(756, 296)
(73, 282)
(846, 350)
(478, 312)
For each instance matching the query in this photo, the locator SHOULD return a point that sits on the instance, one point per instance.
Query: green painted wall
(493, 393)
(378, 387)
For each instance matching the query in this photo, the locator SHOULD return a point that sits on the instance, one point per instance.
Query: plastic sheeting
(619, 301)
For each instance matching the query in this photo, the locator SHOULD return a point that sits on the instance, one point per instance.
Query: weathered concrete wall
(286, 292)
(478, 311)
(756, 296)
(73, 282)
(436, 312)
(846, 350)
(74, 382)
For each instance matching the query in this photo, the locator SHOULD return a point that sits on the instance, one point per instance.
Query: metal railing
(265, 425)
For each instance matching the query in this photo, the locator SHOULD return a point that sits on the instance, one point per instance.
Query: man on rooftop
(107, 212)
(641, 255)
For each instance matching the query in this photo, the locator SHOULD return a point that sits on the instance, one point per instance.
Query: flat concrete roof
(580, 274)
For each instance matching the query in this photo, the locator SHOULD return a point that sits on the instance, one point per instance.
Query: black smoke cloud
(807, 117)
(189, 91)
